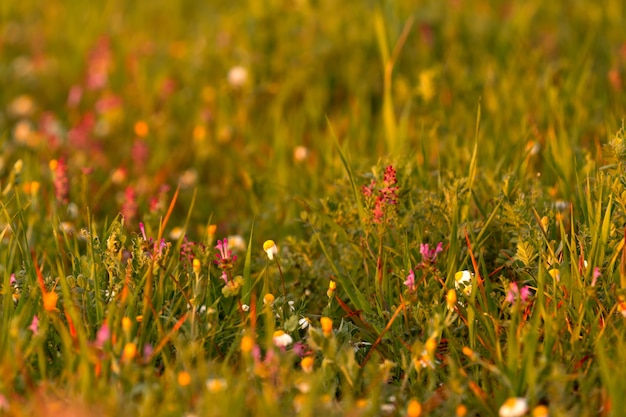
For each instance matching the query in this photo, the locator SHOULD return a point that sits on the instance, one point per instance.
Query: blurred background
(248, 102)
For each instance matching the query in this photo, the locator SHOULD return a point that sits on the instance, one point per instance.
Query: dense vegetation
(305, 207)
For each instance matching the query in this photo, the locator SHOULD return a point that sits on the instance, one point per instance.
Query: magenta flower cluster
(381, 202)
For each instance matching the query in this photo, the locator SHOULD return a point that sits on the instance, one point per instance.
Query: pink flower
(515, 292)
(430, 255)
(225, 258)
(410, 281)
(103, 335)
(34, 325)
(596, 274)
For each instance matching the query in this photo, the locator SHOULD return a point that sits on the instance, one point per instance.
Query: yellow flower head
(247, 344)
(541, 411)
(270, 248)
(129, 353)
(451, 298)
(281, 339)
(468, 352)
(327, 325)
(196, 266)
(307, 364)
(126, 324)
(463, 282)
(513, 407)
(141, 129)
(430, 345)
(414, 409)
(184, 378)
(461, 410)
(50, 301)
(268, 299)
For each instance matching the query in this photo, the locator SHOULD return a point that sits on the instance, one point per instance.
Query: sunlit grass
(302, 208)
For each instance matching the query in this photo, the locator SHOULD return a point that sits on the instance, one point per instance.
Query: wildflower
(129, 352)
(410, 281)
(300, 153)
(430, 345)
(281, 339)
(332, 286)
(196, 266)
(327, 326)
(268, 299)
(303, 323)
(270, 248)
(245, 307)
(60, 179)
(430, 255)
(233, 286)
(451, 298)
(247, 343)
(301, 349)
(461, 410)
(184, 378)
(215, 385)
(414, 408)
(225, 258)
(468, 352)
(236, 242)
(102, 336)
(621, 307)
(555, 274)
(141, 129)
(307, 364)
(50, 301)
(596, 274)
(126, 325)
(513, 407)
(463, 282)
(34, 325)
(541, 411)
(237, 76)
(515, 292)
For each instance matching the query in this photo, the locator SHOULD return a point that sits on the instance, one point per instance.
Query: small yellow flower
(18, 165)
(414, 409)
(468, 352)
(461, 410)
(53, 164)
(270, 248)
(196, 266)
(50, 301)
(555, 274)
(431, 345)
(215, 385)
(126, 325)
(332, 286)
(513, 407)
(184, 378)
(247, 344)
(268, 299)
(541, 411)
(129, 353)
(307, 364)
(621, 307)
(463, 282)
(141, 129)
(199, 133)
(327, 325)
(451, 298)
(281, 339)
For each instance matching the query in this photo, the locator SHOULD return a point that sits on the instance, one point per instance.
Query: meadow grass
(306, 208)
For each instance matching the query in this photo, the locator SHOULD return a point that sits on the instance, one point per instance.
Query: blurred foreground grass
(356, 137)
